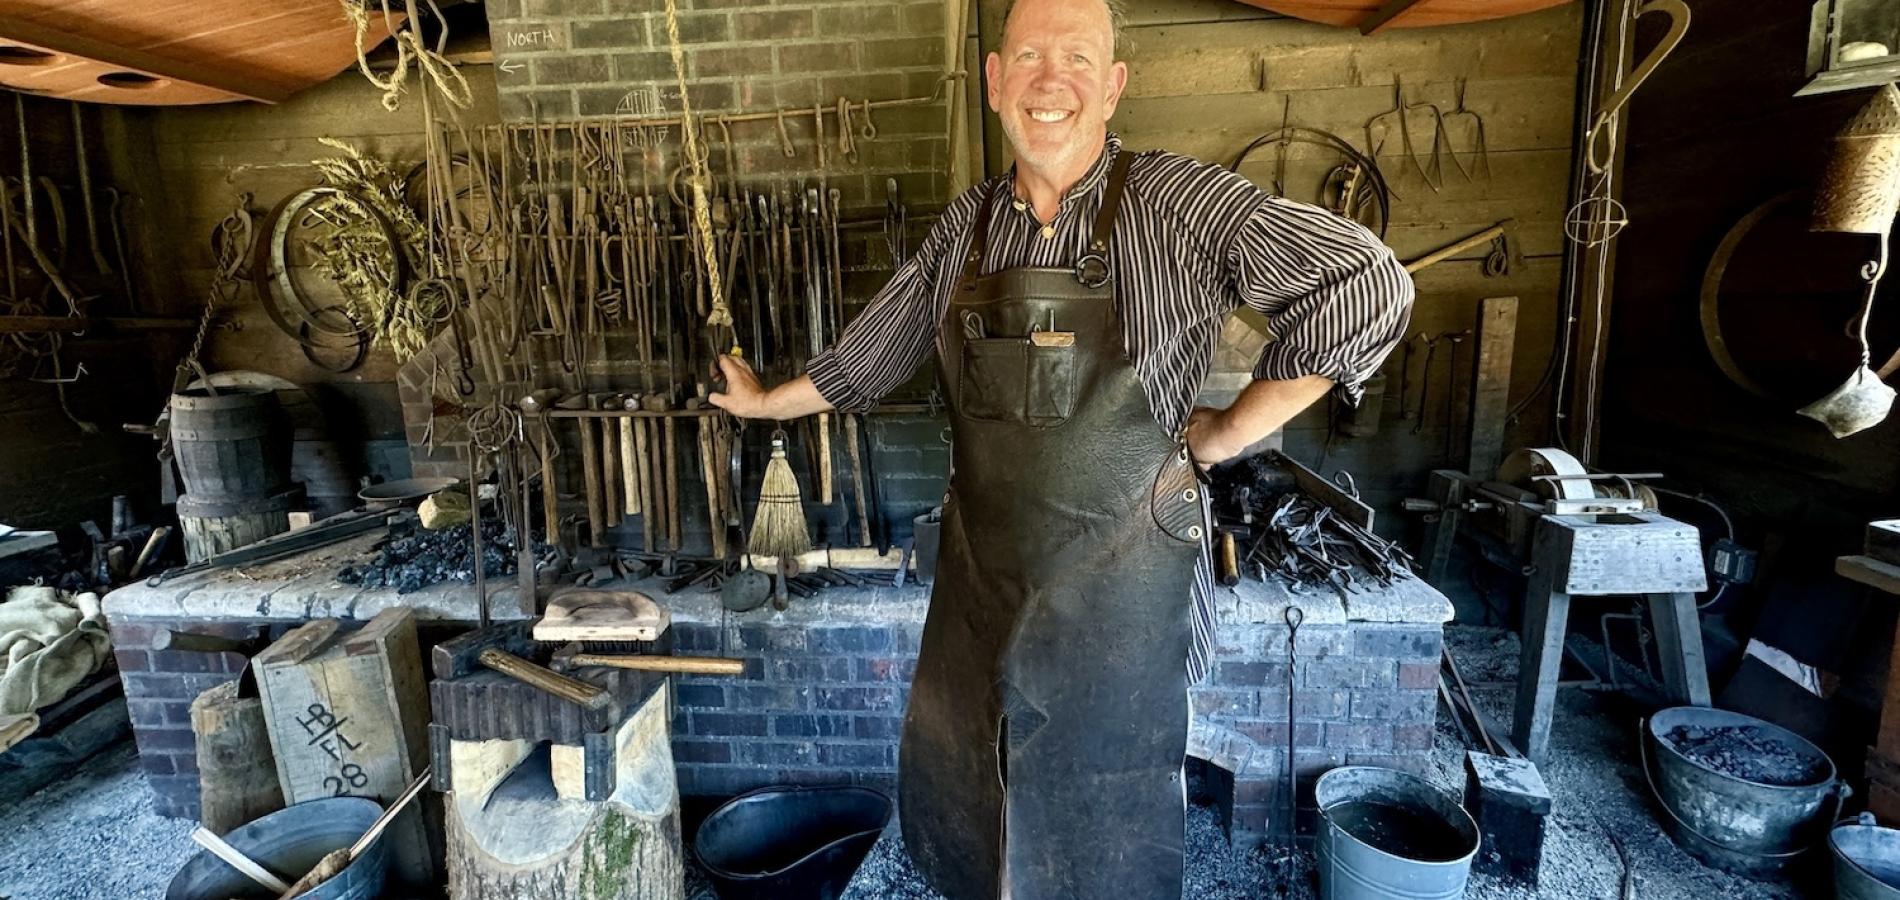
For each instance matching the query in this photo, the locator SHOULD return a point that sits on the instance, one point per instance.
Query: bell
(1857, 405)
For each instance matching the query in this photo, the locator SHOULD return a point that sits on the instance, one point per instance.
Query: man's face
(1055, 83)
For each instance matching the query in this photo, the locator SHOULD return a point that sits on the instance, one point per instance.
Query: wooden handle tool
(629, 469)
(546, 679)
(650, 508)
(670, 437)
(824, 458)
(609, 470)
(236, 859)
(691, 665)
(550, 501)
(857, 478)
(715, 516)
(590, 471)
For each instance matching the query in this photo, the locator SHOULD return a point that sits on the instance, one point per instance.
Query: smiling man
(1073, 305)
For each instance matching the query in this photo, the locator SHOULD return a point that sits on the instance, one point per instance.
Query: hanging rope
(721, 315)
(410, 50)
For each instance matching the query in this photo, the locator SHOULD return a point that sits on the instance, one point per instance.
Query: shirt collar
(1090, 180)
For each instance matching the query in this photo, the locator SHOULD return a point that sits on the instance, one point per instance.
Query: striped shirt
(1192, 243)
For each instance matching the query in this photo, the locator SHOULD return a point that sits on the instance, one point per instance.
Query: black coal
(1748, 753)
(413, 558)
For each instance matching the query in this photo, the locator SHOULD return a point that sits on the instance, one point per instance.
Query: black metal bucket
(1751, 829)
(790, 843)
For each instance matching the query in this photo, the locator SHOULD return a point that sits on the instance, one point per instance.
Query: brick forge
(822, 696)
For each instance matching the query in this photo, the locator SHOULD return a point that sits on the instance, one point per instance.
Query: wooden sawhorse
(1600, 555)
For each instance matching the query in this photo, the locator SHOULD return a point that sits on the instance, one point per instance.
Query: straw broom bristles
(778, 527)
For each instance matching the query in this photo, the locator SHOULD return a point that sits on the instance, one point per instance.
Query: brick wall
(822, 698)
(159, 688)
(564, 59)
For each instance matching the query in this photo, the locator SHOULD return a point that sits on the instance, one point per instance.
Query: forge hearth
(821, 700)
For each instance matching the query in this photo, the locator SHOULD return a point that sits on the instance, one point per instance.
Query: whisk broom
(778, 527)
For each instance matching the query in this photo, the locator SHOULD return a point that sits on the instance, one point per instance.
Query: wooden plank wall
(207, 155)
(1207, 76)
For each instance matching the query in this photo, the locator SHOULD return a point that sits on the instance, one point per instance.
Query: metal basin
(1866, 860)
(1390, 835)
(289, 842)
(1751, 829)
(790, 843)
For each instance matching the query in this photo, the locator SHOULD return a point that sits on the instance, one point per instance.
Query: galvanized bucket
(1357, 863)
(1751, 829)
(290, 842)
(1866, 860)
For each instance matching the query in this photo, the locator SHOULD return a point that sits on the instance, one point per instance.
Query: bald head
(1114, 12)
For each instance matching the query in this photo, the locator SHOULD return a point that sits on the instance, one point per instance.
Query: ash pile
(413, 558)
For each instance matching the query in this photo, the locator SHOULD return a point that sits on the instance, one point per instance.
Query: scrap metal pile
(1302, 540)
(1304, 543)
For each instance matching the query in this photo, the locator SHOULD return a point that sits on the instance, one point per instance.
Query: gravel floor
(95, 835)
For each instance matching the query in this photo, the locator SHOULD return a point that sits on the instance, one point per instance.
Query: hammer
(573, 656)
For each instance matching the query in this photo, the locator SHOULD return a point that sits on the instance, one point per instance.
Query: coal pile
(414, 558)
(1747, 753)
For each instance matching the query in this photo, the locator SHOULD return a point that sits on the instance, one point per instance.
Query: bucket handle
(1841, 792)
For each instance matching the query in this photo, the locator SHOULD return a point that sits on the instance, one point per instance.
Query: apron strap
(1092, 269)
(979, 241)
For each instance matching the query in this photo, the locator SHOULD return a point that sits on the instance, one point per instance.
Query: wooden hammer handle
(546, 679)
(693, 665)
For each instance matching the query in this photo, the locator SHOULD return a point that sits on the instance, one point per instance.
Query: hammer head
(563, 660)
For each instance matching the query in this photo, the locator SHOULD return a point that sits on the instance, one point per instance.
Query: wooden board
(579, 614)
(1883, 540)
(176, 52)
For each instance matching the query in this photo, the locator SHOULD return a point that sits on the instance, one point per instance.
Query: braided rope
(721, 315)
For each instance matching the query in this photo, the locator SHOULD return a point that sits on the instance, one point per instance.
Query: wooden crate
(348, 715)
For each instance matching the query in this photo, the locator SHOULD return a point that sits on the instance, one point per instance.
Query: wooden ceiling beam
(1383, 16)
(79, 47)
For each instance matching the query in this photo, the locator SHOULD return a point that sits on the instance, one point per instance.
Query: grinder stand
(1596, 556)
(1576, 534)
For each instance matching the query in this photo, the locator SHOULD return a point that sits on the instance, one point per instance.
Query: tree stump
(237, 775)
(514, 835)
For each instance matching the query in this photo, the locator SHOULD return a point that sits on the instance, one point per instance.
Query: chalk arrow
(512, 66)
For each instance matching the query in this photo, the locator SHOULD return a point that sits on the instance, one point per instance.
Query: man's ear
(1117, 81)
(992, 80)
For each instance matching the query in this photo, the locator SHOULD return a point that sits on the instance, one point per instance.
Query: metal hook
(785, 137)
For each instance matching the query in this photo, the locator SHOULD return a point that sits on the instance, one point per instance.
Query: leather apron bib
(1047, 722)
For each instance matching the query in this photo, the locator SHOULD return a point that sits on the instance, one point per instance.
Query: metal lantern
(1852, 44)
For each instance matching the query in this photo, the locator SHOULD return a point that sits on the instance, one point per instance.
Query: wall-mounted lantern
(1852, 44)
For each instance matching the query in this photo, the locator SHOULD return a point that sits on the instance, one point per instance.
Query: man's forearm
(792, 400)
(1263, 407)
(1266, 405)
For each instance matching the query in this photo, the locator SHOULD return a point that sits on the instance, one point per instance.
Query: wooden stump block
(237, 774)
(512, 835)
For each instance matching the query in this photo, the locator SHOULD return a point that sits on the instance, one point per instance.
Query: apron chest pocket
(1016, 381)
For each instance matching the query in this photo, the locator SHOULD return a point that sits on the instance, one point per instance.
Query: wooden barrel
(217, 525)
(231, 445)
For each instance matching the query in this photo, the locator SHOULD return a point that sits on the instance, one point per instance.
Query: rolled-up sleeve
(881, 348)
(1337, 299)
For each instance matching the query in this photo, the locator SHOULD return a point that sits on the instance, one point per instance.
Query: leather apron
(1047, 722)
